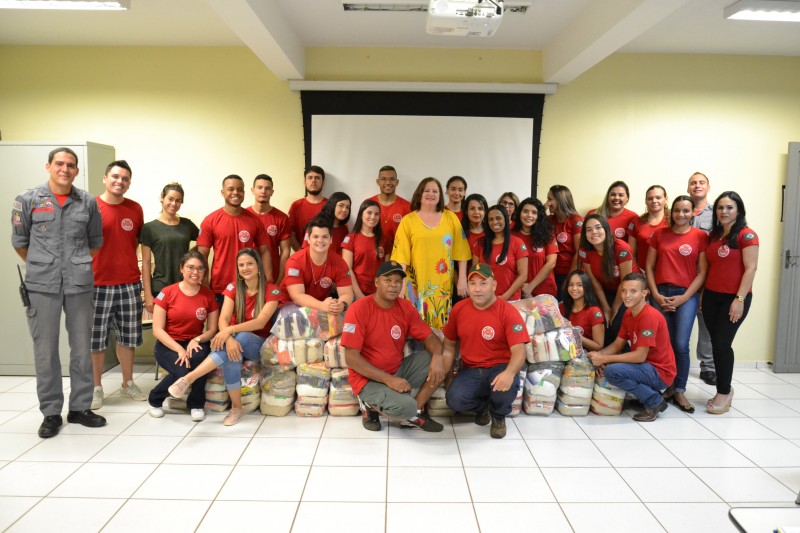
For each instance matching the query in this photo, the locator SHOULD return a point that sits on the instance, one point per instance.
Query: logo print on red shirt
(201, 313)
(562, 237)
(619, 233)
(244, 236)
(395, 332)
(723, 251)
(127, 224)
(487, 333)
(503, 262)
(272, 230)
(685, 249)
(325, 282)
(397, 218)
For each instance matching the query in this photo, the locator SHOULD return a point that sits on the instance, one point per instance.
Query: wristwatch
(740, 298)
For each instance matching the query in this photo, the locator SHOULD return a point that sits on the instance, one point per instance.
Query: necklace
(322, 275)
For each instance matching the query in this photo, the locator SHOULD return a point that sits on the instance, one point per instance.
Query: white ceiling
(572, 34)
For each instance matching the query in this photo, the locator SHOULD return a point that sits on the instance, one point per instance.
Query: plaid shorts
(118, 306)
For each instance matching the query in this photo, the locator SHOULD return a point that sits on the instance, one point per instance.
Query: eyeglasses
(508, 203)
(387, 180)
(192, 268)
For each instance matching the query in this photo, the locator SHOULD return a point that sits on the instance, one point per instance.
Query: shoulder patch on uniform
(749, 236)
(17, 219)
(294, 272)
(17, 205)
(346, 239)
(160, 295)
(524, 248)
(276, 291)
(230, 287)
(647, 333)
(517, 328)
(582, 254)
(349, 328)
(579, 224)
(623, 253)
(598, 314)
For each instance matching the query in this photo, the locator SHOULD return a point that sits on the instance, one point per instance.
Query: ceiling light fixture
(70, 5)
(764, 10)
(511, 6)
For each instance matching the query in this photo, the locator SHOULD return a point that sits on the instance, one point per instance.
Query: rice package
(577, 384)
(540, 313)
(292, 352)
(310, 405)
(278, 384)
(313, 379)
(217, 398)
(516, 405)
(437, 404)
(251, 385)
(341, 400)
(541, 387)
(606, 398)
(333, 353)
(294, 322)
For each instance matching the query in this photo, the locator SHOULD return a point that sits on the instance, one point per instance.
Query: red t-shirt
(117, 263)
(300, 212)
(380, 334)
(276, 222)
(459, 214)
(506, 272)
(486, 335)
(317, 280)
(649, 328)
(366, 259)
(271, 294)
(337, 238)
(536, 260)
(619, 223)
(678, 255)
(227, 234)
(186, 315)
(391, 215)
(725, 264)
(585, 319)
(472, 238)
(642, 231)
(565, 237)
(622, 253)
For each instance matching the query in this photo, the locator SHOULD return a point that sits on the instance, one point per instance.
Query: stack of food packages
(297, 340)
(437, 403)
(516, 406)
(251, 389)
(577, 383)
(217, 398)
(553, 343)
(606, 398)
(342, 401)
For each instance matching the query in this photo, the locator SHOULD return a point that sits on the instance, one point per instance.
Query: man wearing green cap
(374, 335)
(493, 338)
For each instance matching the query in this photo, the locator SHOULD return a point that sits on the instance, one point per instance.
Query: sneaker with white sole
(133, 392)
(178, 389)
(156, 412)
(198, 415)
(97, 398)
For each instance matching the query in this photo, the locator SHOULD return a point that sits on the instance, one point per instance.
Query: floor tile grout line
(308, 475)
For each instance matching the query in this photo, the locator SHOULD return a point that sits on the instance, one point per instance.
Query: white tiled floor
(680, 473)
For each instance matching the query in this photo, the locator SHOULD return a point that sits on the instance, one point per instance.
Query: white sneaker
(156, 412)
(198, 415)
(97, 398)
(133, 392)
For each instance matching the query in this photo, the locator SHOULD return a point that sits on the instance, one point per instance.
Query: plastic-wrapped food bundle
(606, 398)
(295, 322)
(437, 404)
(413, 345)
(577, 383)
(341, 401)
(560, 344)
(217, 398)
(310, 405)
(541, 387)
(251, 389)
(516, 407)
(292, 352)
(313, 379)
(278, 384)
(540, 313)
(333, 353)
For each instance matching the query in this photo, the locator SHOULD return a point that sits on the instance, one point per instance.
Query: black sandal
(685, 408)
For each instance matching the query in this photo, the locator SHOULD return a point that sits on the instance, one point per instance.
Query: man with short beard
(304, 209)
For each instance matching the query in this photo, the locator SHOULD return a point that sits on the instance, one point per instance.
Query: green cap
(481, 269)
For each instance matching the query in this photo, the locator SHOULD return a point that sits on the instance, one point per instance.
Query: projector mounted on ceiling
(475, 18)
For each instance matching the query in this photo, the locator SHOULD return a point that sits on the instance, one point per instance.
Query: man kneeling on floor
(650, 365)
(374, 335)
(493, 338)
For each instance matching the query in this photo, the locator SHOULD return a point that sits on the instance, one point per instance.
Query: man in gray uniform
(56, 229)
(703, 219)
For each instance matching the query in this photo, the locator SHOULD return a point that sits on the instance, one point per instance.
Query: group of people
(406, 267)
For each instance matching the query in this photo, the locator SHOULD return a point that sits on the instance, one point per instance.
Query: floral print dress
(430, 253)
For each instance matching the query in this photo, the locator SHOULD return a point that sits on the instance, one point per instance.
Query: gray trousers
(44, 322)
(705, 354)
(413, 369)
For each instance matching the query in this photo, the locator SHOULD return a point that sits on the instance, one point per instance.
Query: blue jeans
(640, 379)
(471, 390)
(168, 360)
(680, 324)
(251, 349)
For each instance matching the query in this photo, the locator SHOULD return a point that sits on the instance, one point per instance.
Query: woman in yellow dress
(428, 241)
